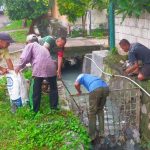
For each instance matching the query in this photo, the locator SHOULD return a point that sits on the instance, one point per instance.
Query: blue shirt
(138, 52)
(90, 82)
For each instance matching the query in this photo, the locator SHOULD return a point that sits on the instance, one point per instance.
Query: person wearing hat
(43, 67)
(5, 41)
(56, 49)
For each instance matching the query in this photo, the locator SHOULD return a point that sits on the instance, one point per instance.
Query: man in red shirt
(56, 49)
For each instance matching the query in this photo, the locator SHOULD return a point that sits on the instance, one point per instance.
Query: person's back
(40, 58)
(50, 43)
(140, 52)
(48, 39)
(90, 82)
(98, 91)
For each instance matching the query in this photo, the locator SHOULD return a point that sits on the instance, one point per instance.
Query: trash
(13, 85)
(23, 89)
(17, 89)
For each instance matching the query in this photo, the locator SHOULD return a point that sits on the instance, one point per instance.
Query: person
(5, 41)
(139, 59)
(43, 67)
(56, 49)
(98, 91)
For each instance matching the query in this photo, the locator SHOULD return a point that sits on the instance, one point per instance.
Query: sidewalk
(71, 43)
(16, 47)
(80, 41)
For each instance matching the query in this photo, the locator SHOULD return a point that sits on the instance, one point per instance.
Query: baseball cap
(6, 37)
(32, 38)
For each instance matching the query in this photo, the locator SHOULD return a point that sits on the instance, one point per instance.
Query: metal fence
(121, 111)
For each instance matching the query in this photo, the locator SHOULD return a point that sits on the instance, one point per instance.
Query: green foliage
(97, 33)
(77, 8)
(73, 9)
(1, 2)
(2, 88)
(27, 9)
(114, 58)
(14, 25)
(19, 36)
(27, 73)
(46, 130)
(99, 4)
(53, 130)
(114, 51)
(132, 7)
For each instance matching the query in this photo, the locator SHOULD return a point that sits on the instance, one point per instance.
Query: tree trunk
(83, 24)
(31, 29)
(34, 22)
(24, 23)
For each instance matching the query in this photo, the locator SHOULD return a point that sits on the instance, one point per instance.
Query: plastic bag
(17, 87)
(23, 89)
(13, 85)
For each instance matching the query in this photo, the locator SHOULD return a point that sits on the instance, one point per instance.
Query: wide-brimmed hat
(6, 37)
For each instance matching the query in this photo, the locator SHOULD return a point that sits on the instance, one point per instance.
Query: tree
(132, 7)
(74, 9)
(99, 4)
(1, 2)
(33, 10)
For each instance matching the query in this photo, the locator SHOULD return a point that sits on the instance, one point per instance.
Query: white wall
(97, 18)
(133, 29)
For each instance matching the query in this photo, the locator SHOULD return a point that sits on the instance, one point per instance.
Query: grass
(19, 36)
(47, 130)
(95, 33)
(14, 25)
(99, 33)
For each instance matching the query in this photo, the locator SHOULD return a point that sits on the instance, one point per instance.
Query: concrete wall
(98, 57)
(138, 30)
(91, 67)
(98, 18)
(133, 29)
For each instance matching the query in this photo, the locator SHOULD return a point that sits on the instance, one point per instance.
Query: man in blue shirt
(137, 53)
(98, 91)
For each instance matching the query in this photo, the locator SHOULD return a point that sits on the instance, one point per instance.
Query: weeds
(45, 130)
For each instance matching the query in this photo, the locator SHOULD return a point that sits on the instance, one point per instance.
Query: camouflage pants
(97, 100)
